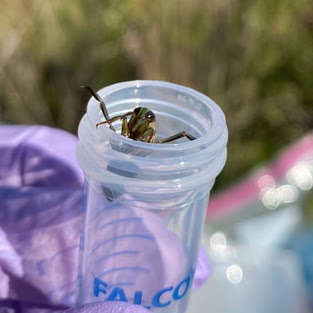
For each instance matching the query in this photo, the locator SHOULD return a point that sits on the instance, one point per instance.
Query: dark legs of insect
(109, 121)
(102, 107)
(115, 118)
(177, 136)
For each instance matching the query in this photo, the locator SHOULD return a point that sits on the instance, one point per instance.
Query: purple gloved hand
(108, 307)
(41, 191)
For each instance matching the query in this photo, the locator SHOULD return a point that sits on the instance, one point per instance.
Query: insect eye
(137, 110)
(150, 116)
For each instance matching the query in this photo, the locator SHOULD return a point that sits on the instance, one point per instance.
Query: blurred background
(254, 58)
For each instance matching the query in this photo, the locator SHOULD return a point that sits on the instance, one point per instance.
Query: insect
(141, 126)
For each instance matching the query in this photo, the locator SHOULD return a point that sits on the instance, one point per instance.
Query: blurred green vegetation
(254, 58)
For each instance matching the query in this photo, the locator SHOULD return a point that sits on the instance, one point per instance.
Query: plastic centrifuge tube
(146, 202)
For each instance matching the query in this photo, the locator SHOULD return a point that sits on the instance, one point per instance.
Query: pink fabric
(246, 191)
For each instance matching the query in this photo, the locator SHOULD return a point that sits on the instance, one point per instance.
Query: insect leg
(125, 130)
(148, 135)
(102, 107)
(177, 136)
(109, 121)
(115, 118)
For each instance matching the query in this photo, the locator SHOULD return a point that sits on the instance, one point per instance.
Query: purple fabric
(144, 242)
(108, 307)
(41, 190)
(203, 269)
(41, 195)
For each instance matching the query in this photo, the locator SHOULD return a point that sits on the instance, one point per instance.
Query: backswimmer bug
(141, 126)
